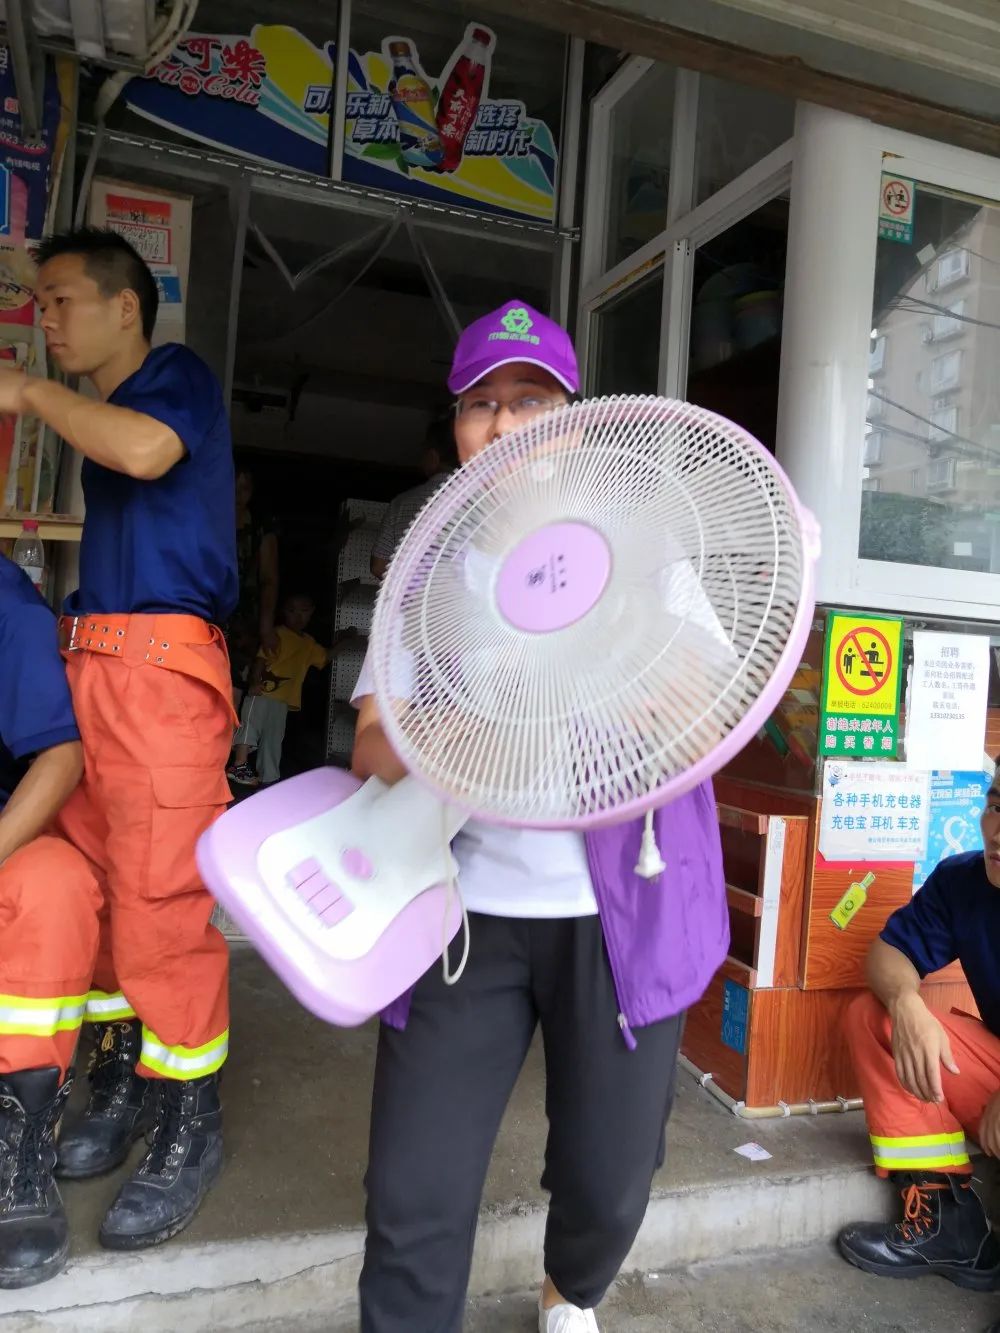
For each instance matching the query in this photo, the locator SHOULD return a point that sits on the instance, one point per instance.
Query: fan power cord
(454, 889)
(650, 864)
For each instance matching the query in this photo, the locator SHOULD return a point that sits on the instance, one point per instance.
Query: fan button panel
(553, 577)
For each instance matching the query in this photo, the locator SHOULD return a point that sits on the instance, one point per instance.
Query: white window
(946, 371)
(873, 448)
(950, 324)
(944, 424)
(950, 267)
(941, 474)
(876, 359)
(872, 484)
(876, 407)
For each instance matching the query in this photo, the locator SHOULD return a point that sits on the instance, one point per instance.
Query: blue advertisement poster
(437, 135)
(955, 806)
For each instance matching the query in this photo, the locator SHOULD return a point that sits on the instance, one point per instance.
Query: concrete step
(281, 1236)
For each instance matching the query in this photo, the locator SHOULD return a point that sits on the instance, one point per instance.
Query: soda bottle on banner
(462, 93)
(413, 106)
(29, 553)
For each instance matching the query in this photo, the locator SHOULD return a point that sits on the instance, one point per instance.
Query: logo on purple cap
(517, 325)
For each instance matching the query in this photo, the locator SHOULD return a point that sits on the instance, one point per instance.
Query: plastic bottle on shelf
(29, 553)
(462, 93)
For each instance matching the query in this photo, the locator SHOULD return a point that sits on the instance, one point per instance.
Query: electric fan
(585, 621)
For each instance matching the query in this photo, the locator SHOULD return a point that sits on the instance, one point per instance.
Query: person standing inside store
(439, 460)
(565, 935)
(149, 678)
(43, 979)
(930, 1079)
(252, 624)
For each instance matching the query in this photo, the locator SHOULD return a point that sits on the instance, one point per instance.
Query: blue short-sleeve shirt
(169, 545)
(956, 915)
(36, 712)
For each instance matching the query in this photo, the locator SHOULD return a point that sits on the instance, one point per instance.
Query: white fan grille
(710, 582)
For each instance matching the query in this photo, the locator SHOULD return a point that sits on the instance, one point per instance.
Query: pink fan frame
(440, 508)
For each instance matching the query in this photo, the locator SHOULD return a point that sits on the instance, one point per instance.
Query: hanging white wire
(708, 578)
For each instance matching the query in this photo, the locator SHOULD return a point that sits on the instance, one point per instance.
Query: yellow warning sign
(862, 669)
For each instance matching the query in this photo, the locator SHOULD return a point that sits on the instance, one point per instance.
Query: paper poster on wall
(861, 679)
(28, 169)
(956, 803)
(268, 95)
(873, 812)
(444, 136)
(948, 696)
(158, 224)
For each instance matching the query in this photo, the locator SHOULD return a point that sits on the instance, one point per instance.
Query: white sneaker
(566, 1319)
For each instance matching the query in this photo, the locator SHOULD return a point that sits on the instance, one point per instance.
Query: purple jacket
(665, 938)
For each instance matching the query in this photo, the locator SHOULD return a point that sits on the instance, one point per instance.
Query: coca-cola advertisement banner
(437, 136)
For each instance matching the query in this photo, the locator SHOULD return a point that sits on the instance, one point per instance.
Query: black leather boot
(34, 1234)
(183, 1162)
(98, 1139)
(944, 1229)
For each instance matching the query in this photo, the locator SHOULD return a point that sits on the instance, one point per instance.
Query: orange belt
(161, 640)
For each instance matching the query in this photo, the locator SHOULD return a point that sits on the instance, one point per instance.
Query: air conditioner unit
(115, 31)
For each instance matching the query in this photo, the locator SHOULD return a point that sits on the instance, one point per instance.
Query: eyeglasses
(483, 410)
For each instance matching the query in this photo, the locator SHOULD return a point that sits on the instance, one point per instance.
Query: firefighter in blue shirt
(930, 1079)
(149, 678)
(41, 762)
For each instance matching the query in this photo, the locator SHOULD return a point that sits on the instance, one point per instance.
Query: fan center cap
(553, 577)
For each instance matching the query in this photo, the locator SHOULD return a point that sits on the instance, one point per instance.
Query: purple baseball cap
(515, 332)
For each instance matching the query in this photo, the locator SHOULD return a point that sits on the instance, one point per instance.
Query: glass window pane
(931, 489)
(735, 348)
(737, 126)
(626, 339)
(639, 171)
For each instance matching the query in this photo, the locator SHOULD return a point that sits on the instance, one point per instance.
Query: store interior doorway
(347, 321)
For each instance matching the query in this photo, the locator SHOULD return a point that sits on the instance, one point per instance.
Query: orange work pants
(107, 918)
(906, 1133)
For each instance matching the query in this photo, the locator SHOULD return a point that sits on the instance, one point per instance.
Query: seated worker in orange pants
(39, 1021)
(929, 1078)
(149, 678)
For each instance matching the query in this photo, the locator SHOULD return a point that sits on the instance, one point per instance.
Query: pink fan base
(448, 501)
(346, 993)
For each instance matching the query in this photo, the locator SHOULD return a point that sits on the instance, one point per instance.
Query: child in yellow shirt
(275, 689)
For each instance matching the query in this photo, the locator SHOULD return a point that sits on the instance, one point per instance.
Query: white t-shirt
(512, 871)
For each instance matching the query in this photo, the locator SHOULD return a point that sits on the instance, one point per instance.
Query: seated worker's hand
(988, 1134)
(256, 688)
(920, 1047)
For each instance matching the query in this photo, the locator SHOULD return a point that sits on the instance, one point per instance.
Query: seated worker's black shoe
(944, 1230)
(183, 1162)
(118, 1111)
(34, 1233)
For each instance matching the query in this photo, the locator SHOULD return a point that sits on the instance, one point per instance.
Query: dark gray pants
(440, 1092)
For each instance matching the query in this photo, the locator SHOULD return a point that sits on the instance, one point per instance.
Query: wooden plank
(835, 958)
(745, 821)
(51, 527)
(702, 1042)
(797, 1047)
(785, 75)
(788, 949)
(747, 904)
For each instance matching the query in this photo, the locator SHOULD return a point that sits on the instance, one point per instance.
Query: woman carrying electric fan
(563, 934)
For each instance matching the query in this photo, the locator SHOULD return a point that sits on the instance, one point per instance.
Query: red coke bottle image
(461, 95)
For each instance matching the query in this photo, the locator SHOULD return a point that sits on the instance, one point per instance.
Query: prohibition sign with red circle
(896, 197)
(853, 687)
